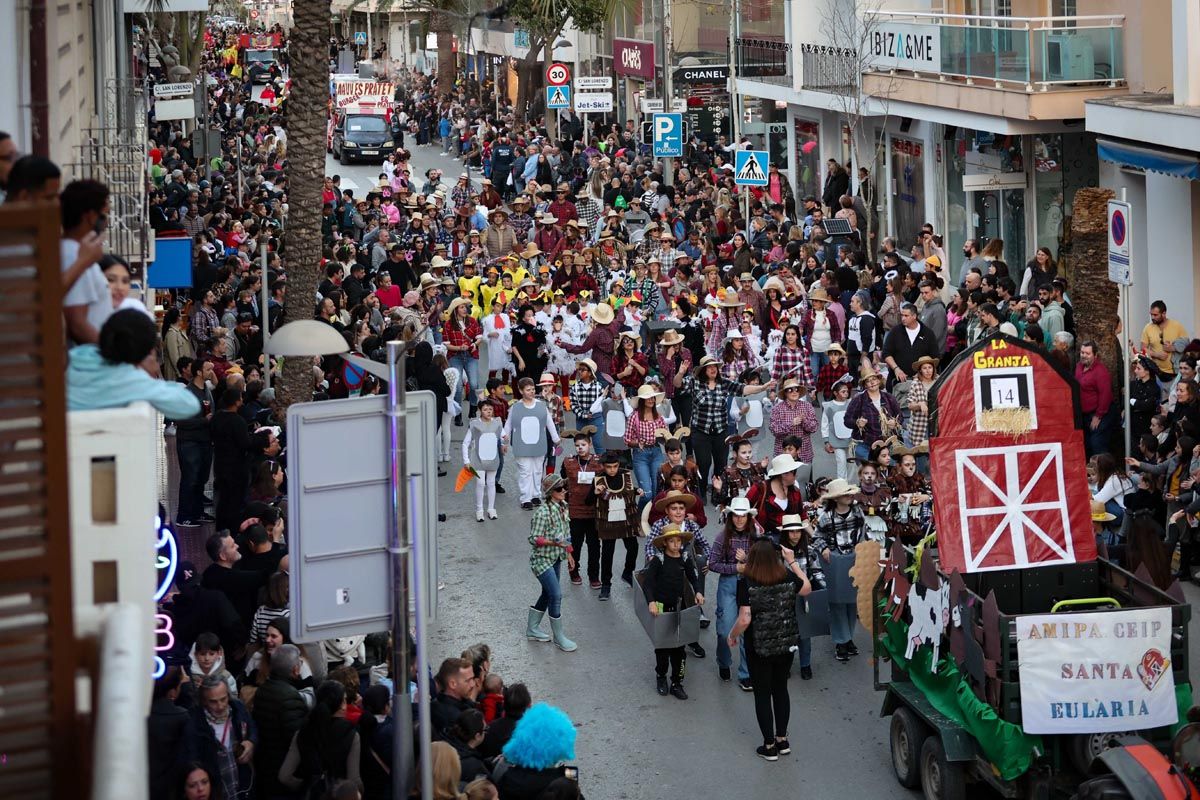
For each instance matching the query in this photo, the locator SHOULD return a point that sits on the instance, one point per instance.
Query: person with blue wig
(537, 754)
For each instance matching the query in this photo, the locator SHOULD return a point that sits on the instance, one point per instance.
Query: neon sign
(167, 563)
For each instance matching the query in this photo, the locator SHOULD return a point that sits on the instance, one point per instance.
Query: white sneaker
(479, 516)
(491, 513)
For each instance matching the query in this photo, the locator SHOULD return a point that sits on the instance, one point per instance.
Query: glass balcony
(1038, 53)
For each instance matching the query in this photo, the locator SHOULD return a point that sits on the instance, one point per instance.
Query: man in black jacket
(456, 678)
(233, 447)
(280, 711)
(221, 733)
(239, 585)
(907, 342)
(167, 726)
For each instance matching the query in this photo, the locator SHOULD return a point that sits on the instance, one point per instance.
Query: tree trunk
(442, 26)
(306, 112)
(1093, 296)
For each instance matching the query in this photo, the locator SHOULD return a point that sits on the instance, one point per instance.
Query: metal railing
(828, 69)
(764, 60)
(1038, 53)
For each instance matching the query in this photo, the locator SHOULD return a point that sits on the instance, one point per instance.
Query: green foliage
(545, 18)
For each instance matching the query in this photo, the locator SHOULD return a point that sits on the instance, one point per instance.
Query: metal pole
(239, 170)
(668, 98)
(264, 308)
(421, 613)
(399, 548)
(736, 102)
(1124, 297)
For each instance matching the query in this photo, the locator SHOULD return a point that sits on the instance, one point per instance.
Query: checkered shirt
(793, 360)
(550, 521)
(709, 405)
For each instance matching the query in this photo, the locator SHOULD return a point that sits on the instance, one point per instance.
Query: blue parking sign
(558, 97)
(668, 135)
(750, 167)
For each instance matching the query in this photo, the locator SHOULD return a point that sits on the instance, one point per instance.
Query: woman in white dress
(497, 332)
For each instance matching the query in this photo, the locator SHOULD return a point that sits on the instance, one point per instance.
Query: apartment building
(969, 114)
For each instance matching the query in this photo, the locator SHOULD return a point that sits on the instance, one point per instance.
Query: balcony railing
(1039, 53)
(828, 69)
(764, 60)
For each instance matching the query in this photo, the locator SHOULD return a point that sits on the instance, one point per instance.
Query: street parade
(510, 432)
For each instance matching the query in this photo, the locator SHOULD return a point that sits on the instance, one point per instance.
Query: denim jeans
(842, 617)
(551, 596)
(726, 616)
(195, 463)
(646, 463)
(1097, 441)
(862, 452)
(468, 370)
(805, 653)
(816, 361)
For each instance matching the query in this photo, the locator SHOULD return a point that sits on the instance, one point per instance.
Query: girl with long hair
(642, 429)
(1039, 272)
(326, 749)
(727, 558)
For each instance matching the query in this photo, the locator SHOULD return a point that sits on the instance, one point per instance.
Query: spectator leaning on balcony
(108, 375)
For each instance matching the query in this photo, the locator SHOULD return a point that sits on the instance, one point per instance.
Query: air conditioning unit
(1069, 57)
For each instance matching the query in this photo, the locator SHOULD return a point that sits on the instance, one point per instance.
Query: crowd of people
(665, 356)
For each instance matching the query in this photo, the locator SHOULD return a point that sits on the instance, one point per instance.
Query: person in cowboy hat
(832, 372)
(711, 397)
(779, 494)
(672, 358)
(834, 430)
(727, 558)
(547, 384)
(615, 498)
(726, 319)
(841, 525)
(820, 328)
(794, 416)
(671, 583)
(642, 426)
(796, 534)
(925, 373)
(500, 238)
(601, 340)
(873, 414)
(913, 491)
(520, 219)
(585, 394)
(550, 543)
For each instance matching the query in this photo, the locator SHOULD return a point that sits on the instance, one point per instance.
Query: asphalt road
(632, 743)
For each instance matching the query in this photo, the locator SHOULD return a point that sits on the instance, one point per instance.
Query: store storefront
(907, 167)
(633, 64)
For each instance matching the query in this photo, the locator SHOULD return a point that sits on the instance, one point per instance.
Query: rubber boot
(560, 640)
(532, 631)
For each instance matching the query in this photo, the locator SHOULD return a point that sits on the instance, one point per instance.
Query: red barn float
(1007, 461)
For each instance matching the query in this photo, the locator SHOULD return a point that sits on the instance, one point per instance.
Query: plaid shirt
(521, 223)
(839, 532)
(460, 196)
(918, 421)
(699, 544)
(600, 273)
(794, 419)
(464, 337)
(715, 342)
(641, 432)
(556, 408)
(583, 395)
(589, 212)
(732, 370)
(550, 521)
(651, 296)
(709, 405)
(830, 373)
(793, 360)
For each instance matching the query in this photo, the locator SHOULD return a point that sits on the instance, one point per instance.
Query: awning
(1166, 162)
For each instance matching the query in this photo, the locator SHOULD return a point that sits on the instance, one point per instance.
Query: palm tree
(307, 109)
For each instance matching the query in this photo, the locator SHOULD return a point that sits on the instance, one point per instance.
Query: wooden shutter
(39, 735)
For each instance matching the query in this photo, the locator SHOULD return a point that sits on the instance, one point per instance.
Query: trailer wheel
(941, 779)
(908, 734)
(1104, 787)
(1084, 747)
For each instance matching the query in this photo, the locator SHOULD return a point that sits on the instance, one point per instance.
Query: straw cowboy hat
(519, 199)
(835, 348)
(838, 487)
(901, 450)
(428, 281)
(437, 262)
(867, 373)
(660, 541)
(530, 251)
(819, 294)
(687, 498)
(646, 392)
(707, 361)
(546, 380)
(924, 360)
(1100, 513)
(552, 482)
(730, 300)
(586, 362)
(794, 522)
(741, 505)
(793, 383)
(454, 304)
(603, 314)
(548, 219)
(782, 464)
(670, 338)
(776, 284)
(631, 335)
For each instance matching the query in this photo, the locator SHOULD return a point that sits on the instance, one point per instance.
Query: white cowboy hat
(783, 463)
(838, 487)
(741, 505)
(793, 522)
(603, 314)
(646, 392)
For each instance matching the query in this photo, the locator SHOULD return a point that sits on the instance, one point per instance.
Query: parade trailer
(1016, 653)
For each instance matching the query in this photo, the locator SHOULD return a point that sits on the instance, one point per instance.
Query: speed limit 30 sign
(558, 75)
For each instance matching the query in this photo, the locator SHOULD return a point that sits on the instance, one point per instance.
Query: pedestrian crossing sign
(558, 97)
(750, 167)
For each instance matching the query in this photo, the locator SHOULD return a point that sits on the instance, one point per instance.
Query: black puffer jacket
(427, 377)
(279, 712)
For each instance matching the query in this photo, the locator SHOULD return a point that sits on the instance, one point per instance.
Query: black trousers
(607, 548)
(674, 657)
(772, 706)
(711, 452)
(584, 530)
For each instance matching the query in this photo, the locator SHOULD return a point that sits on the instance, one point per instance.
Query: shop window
(808, 159)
